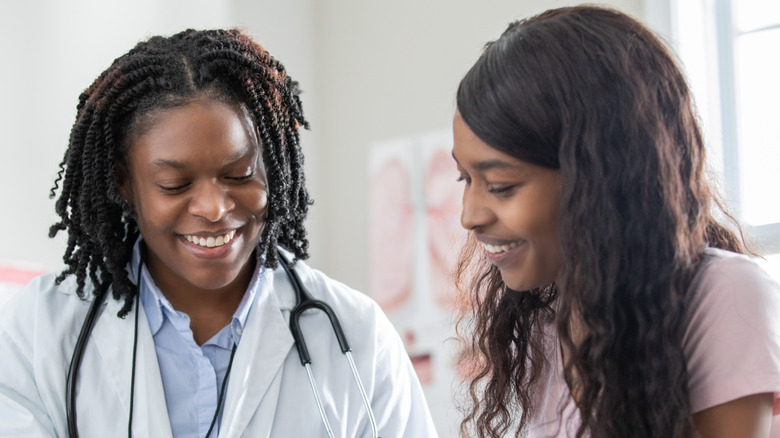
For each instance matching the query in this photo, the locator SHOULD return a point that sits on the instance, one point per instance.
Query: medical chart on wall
(415, 205)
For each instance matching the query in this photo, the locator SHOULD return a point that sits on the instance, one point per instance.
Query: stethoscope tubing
(317, 399)
(75, 363)
(363, 394)
(305, 302)
(78, 355)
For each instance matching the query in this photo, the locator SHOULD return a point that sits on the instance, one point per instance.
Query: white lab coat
(268, 392)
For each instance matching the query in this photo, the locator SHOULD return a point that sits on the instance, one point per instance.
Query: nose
(475, 213)
(211, 201)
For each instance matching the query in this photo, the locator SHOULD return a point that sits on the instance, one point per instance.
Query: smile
(211, 242)
(495, 249)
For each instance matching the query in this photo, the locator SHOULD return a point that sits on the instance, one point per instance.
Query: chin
(210, 283)
(212, 279)
(522, 284)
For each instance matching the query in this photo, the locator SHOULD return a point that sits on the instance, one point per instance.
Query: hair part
(592, 92)
(157, 74)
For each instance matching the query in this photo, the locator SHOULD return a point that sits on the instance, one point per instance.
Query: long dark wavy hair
(166, 72)
(593, 93)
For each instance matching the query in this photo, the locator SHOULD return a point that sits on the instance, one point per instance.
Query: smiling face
(197, 182)
(512, 207)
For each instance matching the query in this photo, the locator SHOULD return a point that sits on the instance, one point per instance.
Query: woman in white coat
(182, 182)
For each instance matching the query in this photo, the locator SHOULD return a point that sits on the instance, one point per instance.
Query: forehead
(177, 112)
(201, 129)
(470, 149)
(475, 156)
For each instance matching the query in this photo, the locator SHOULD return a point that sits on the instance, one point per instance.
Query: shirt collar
(154, 301)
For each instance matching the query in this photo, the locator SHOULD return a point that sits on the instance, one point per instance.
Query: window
(729, 50)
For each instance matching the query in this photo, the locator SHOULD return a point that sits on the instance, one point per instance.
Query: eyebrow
(181, 165)
(169, 163)
(494, 163)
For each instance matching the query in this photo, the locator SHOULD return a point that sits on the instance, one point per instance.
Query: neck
(209, 310)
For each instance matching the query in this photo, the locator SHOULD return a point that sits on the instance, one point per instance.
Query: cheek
(547, 227)
(537, 222)
(263, 202)
(551, 242)
(256, 202)
(155, 212)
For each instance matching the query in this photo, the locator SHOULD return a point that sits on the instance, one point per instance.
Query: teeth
(499, 248)
(211, 242)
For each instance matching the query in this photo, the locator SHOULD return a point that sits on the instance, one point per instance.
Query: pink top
(732, 344)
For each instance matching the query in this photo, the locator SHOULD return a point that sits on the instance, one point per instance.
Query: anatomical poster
(415, 204)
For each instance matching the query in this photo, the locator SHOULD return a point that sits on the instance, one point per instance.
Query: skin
(197, 170)
(748, 417)
(507, 201)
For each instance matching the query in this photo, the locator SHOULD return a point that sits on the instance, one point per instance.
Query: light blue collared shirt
(192, 375)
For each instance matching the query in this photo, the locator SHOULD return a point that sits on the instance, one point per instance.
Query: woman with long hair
(604, 293)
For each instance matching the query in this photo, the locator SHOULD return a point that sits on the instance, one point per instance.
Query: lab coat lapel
(114, 341)
(255, 380)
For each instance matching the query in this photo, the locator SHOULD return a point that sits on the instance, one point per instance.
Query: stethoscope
(303, 301)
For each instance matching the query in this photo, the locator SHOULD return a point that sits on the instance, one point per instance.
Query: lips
(211, 241)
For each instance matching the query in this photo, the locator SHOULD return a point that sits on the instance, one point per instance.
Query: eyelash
(173, 190)
(177, 189)
(241, 178)
(504, 191)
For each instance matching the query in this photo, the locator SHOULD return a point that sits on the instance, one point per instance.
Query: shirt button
(239, 331)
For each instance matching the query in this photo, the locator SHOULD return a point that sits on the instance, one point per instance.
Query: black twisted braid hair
(165, 72)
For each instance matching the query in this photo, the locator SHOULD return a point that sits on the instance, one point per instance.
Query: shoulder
(42, 291)
(38, 327)
(730, 265)
(43, 306)
(734, 281)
